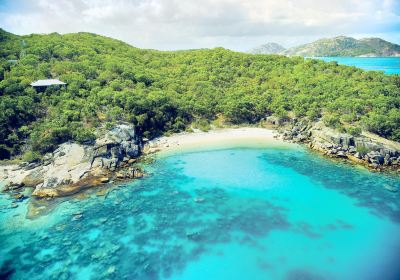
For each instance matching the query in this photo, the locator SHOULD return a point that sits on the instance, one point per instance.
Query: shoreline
(224, 138)
(73, 167)
(245, 137)
(251, 137)
(186, 142)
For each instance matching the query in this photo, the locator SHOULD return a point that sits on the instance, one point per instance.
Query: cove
(233, 213)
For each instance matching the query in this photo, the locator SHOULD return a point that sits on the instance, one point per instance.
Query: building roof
(45, 83)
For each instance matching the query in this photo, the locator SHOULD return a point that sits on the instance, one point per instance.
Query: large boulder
(34, 178)
(72, 166)
(70, 163)
(375, 157)
(328, 135)
(131, 149)
(118, 144)
(67, 165)
(118, 134)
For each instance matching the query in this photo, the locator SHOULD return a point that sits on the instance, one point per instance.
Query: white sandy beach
(218, 138)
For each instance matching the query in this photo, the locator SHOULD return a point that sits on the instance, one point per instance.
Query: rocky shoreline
(371, 151)
(116, 154)
(74, 167)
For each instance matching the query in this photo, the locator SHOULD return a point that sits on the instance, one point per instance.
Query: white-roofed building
(47, 83)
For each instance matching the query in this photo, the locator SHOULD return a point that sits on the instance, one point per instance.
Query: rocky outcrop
(120, 145)
(73, 167)
(368, 149)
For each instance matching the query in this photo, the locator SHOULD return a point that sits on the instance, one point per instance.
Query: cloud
(235, 24)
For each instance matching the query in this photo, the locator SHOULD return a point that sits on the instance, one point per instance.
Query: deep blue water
(390, 65)
(238, 213)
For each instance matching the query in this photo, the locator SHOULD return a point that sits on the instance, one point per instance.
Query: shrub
(331, 120)
(30, 156)
(202, 124)
(353, 130)
(362, 150)
(84, 135)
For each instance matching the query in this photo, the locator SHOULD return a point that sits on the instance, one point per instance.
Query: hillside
(110, 81)
(345, 46)
(269, 48)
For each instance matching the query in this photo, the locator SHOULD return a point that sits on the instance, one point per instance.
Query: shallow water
(390, 65)
(240, 213)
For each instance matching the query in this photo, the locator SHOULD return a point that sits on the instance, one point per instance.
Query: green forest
(165, 92)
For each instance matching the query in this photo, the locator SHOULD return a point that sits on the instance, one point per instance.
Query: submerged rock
(102, 192)
(390, 188)
(77, 217)
(111, 270)
(199, 199)
(18, 196)
(42, 192)
(13, 205)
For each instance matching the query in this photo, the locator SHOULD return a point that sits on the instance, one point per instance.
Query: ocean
(235, 213)
(389, 65)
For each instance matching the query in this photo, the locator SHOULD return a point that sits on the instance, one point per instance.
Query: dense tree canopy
(109, 81)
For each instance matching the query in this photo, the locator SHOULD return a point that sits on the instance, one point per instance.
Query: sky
(191, 24)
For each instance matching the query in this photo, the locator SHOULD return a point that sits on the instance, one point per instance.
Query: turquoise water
(390, 65)
(238, 213)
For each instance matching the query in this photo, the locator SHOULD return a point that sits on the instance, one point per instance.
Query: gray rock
(32, 165)
(120, 144)
(375, 165)
(373, 150)
(376, 157)
(102, 151)
(341, 154)
(116, 152)
(16, 168)
(387, 160)
(51, 182)
(132, 150)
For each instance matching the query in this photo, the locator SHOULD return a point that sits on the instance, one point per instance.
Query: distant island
(337, 46)
(269, 48)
